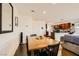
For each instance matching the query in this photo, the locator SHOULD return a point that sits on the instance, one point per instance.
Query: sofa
(70, 45)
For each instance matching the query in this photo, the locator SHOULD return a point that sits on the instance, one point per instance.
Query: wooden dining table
(37, 42)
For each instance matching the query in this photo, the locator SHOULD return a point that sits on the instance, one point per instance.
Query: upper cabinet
(6, 18)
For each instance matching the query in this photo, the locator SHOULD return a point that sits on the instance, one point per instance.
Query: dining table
(38, 42)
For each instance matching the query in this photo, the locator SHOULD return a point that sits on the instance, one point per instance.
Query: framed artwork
(16, 21)
(6, 18)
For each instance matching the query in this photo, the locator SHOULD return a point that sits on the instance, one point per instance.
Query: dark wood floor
(21, 51)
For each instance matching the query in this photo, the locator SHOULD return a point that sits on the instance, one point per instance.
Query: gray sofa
(71, 43)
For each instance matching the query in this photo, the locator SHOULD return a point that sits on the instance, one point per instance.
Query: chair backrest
(54, 49)
(21, 38)
(27, 44)
(33, 35)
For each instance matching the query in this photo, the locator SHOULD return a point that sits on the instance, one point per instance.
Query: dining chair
(53, 49)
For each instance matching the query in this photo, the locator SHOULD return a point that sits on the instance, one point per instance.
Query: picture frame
(6, 19)
(16, 21)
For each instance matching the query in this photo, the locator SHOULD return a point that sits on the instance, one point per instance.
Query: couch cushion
(71, 47)
(73, 39)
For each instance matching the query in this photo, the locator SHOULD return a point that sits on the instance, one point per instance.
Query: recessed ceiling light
(44, 12)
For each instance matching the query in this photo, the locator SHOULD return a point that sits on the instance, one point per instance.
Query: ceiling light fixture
(44, 12)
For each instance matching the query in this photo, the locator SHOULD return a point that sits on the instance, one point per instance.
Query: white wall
(30, 26)
(76, 28)
(25, 25)
(9, 41)
(36, 27)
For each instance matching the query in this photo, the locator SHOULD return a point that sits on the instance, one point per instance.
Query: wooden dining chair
(28, 52)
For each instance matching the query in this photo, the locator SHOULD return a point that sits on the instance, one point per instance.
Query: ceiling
(55, 13)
